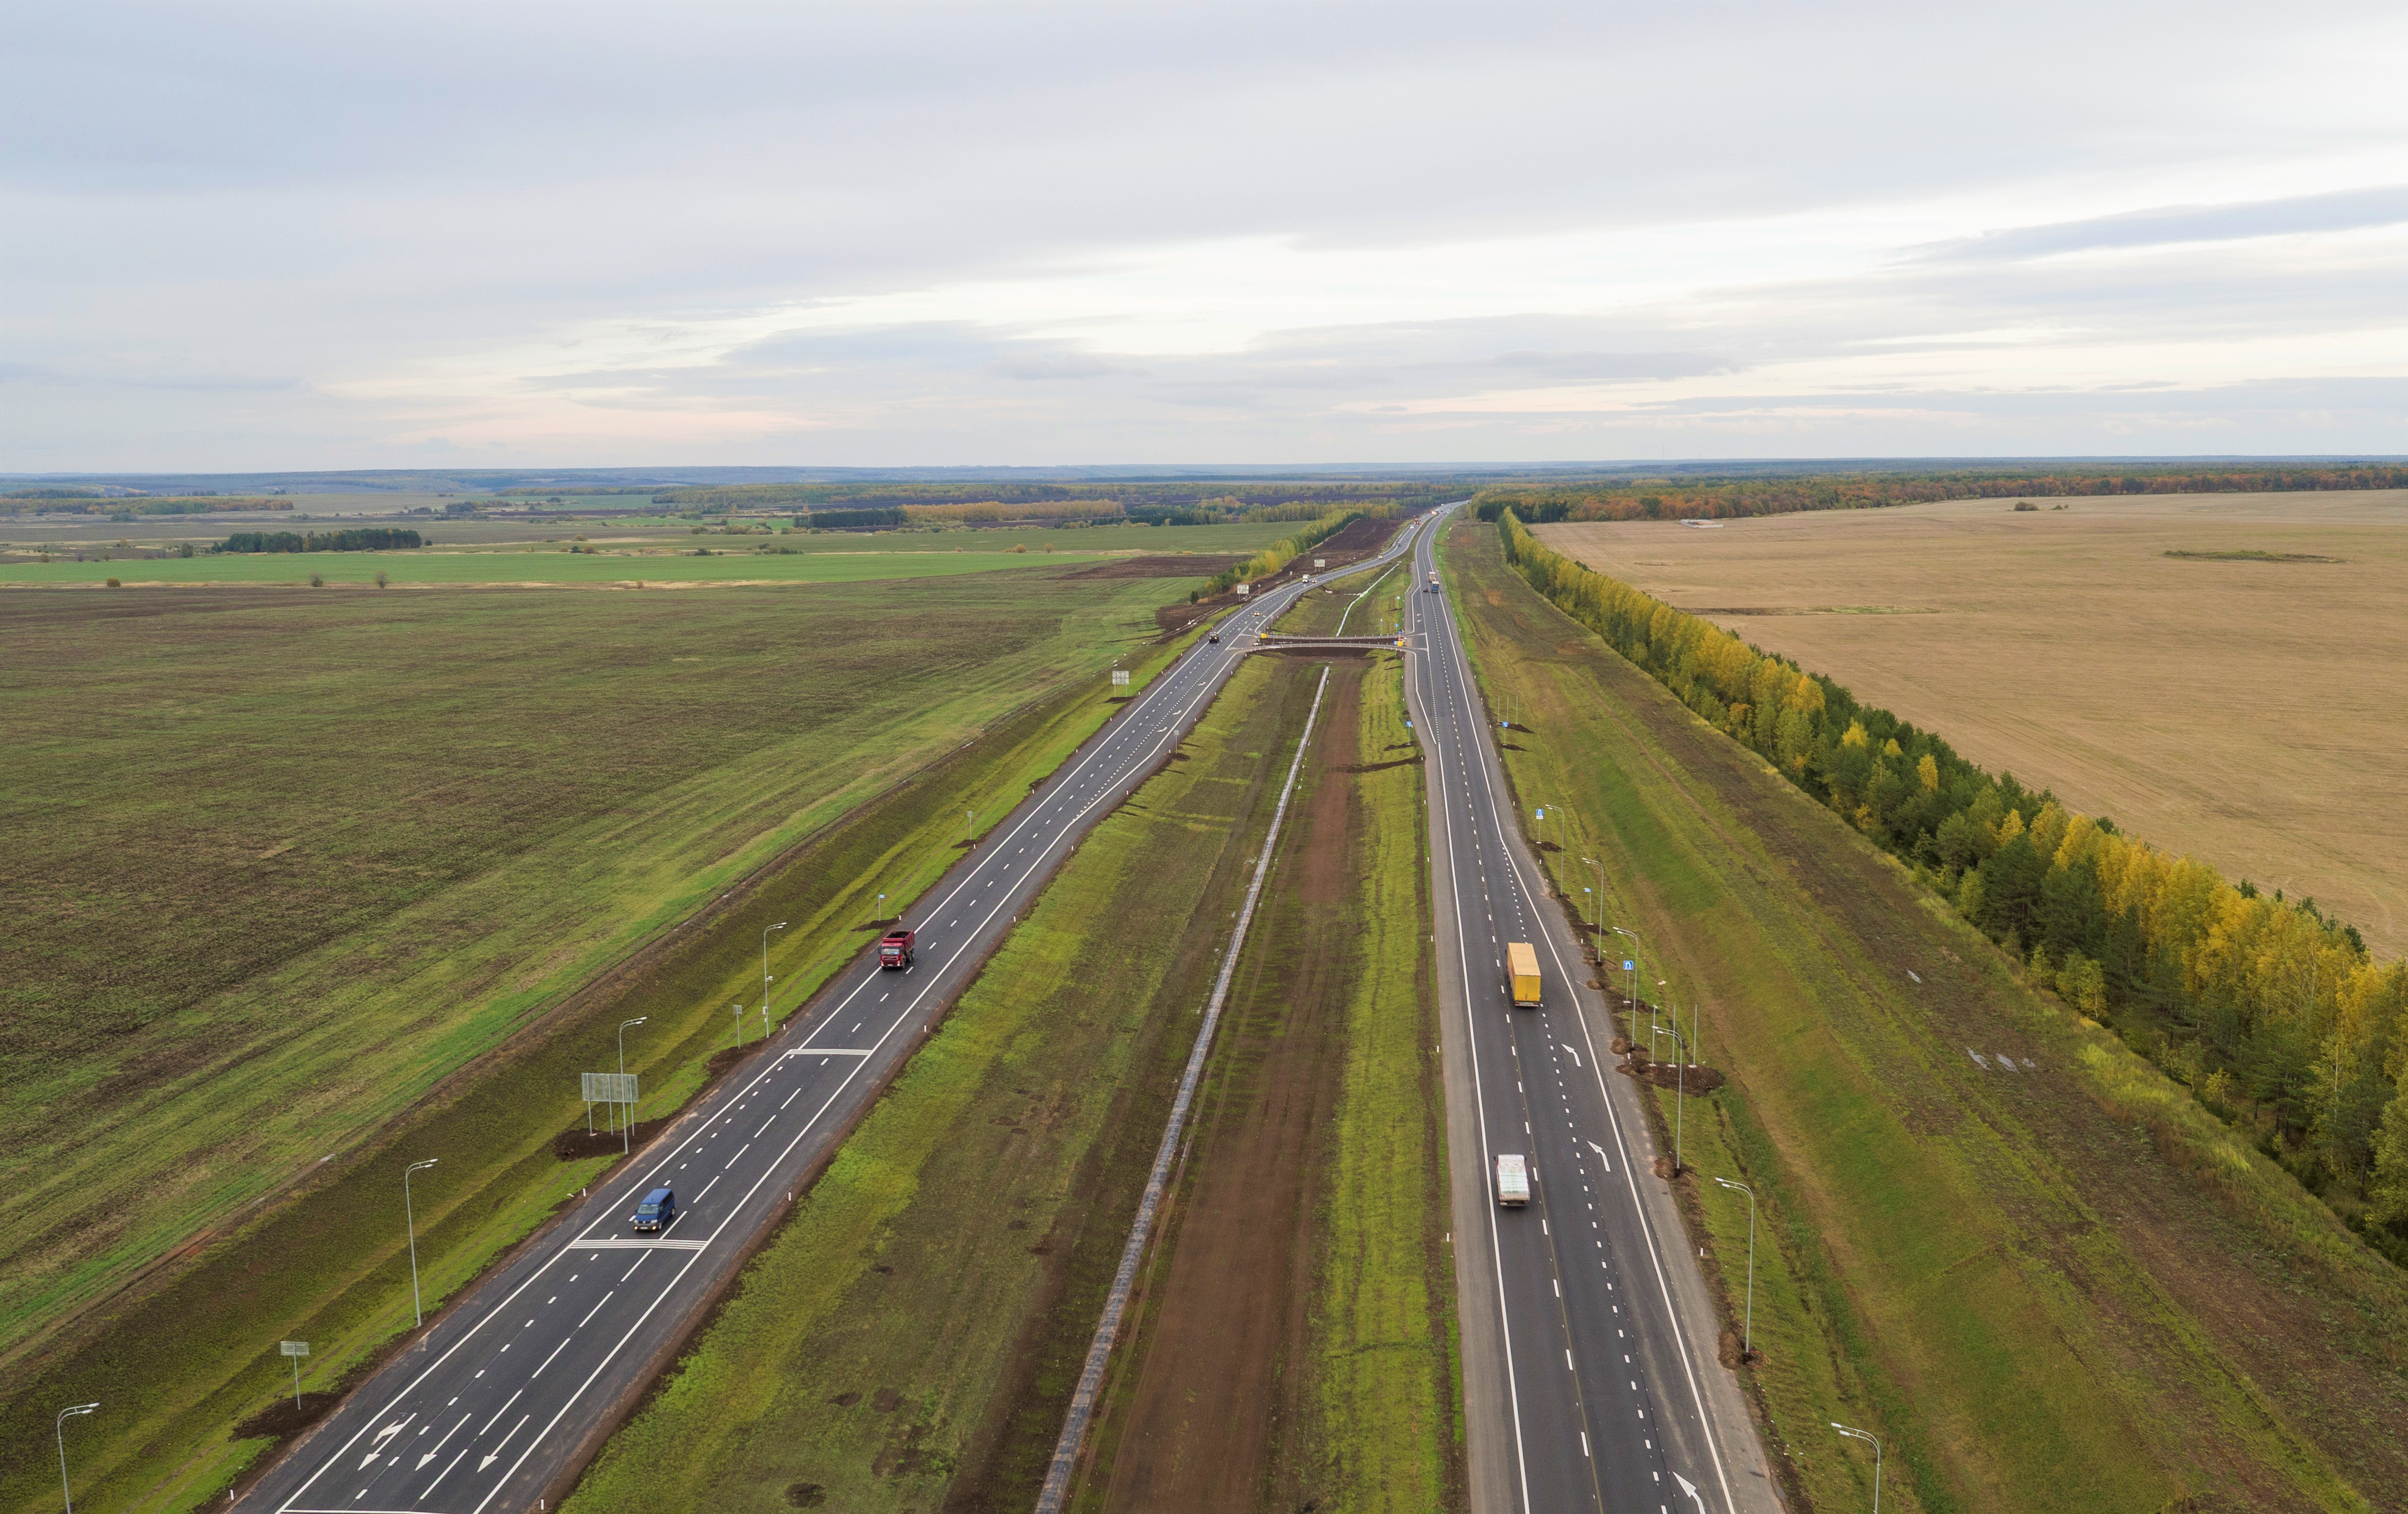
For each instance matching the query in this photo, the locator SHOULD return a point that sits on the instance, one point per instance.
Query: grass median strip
(1290, 1344)
(910, 1337)
(2043, 1287)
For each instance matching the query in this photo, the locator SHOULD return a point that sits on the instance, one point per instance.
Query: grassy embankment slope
(1291, 1342)
(910, 1338)
(634, 758)
(2059, 1287)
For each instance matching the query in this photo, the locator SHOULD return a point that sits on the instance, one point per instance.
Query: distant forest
(1664, 499)
(1217, 502)
(69, 501)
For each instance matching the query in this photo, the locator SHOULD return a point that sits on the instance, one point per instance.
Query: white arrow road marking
(496, 1454)
(384, 1434)
(441, 1444)
(1576, 1062)
(1601, 1156)
(1689, 1491)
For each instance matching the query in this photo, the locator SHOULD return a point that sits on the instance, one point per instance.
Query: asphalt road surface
(503, 1396)
(1590, 1375)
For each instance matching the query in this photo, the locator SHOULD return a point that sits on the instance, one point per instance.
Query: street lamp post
(409, 1220)
(59, 1427)
(1875, 1442)
(765, 971)
(1596, 926)
(738, 1012)
(625, 1139)
(1747, 1339)
(1680, 1090)
(1630, 986)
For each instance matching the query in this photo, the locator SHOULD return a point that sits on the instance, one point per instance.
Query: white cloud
(324, 236)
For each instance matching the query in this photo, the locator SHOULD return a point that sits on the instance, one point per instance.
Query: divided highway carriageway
(1590, 1373)
(506, 1394)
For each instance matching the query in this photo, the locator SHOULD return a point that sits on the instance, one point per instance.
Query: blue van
(658, 1209)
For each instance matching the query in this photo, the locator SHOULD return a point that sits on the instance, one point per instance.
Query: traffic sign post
(609, 1088)
(1120, 678)
(295, 1349)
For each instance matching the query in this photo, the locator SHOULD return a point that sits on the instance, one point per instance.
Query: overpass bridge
(1269, 642)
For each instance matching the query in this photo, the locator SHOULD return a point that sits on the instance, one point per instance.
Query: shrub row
(363, 539)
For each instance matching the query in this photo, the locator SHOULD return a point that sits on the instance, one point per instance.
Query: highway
(1590, 1376)
(501, 1398)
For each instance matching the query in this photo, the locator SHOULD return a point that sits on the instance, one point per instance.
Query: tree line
(1724, 499)
(356, 539)
(2276, 1017)
(55, 502)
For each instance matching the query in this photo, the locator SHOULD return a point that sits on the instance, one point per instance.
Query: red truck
(894, 949)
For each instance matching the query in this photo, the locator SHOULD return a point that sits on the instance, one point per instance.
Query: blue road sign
(1628, 966)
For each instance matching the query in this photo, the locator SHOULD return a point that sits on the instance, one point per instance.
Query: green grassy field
(1206, 539)
(181, 1361)
(2058, 1287)
(659, 569)
(908, 1338)
(342, 844)
(1385, 1433)
(657, 552)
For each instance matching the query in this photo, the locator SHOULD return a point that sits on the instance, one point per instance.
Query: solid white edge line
(1672, 1309)
(1480, 1106)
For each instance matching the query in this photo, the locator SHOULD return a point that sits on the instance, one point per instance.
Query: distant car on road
(1512, 1180)
(657, 1211)
(1215, 637)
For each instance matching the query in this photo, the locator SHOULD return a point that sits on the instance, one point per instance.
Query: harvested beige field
(2250, 711)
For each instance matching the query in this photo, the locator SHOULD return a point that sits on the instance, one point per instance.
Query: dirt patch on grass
(1229, 1289)
(1196, 566)
(575, 1145)
(1358, 540)
(1690, 1080)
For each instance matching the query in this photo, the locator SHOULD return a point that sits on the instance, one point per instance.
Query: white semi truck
(1512, 1180)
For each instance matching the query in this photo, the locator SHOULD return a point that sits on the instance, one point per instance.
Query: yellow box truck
(1524, 965)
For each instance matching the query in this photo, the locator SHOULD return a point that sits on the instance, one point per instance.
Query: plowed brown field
(2243, 711)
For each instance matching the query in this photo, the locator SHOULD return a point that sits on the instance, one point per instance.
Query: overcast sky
(499, 235)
